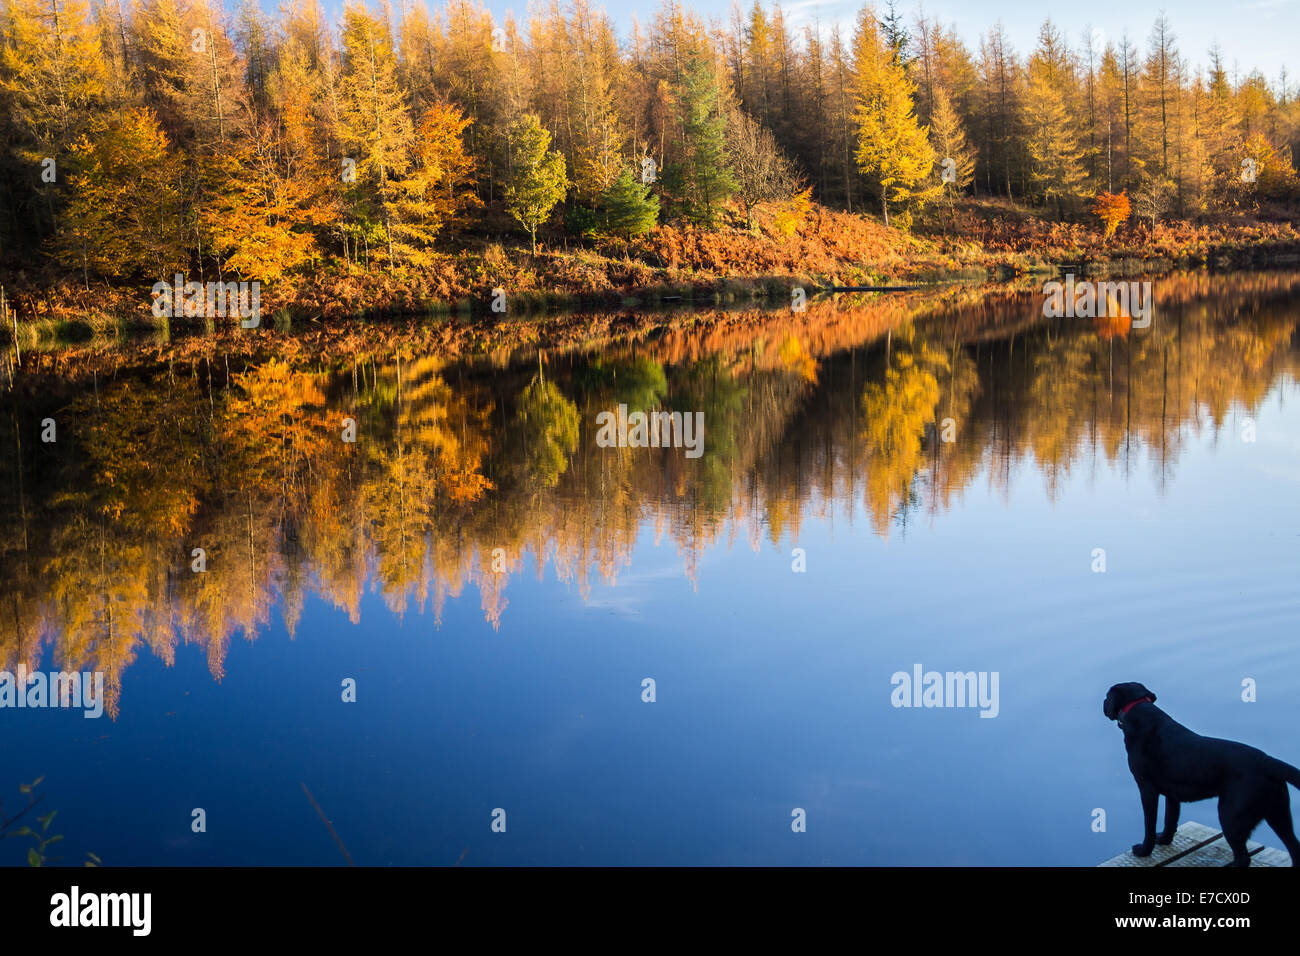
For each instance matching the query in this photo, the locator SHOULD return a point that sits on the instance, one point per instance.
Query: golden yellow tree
(260, 216)
(437, 191)
(125, 208)
(893, 149)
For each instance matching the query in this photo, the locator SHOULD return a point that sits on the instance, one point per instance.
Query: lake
(419, 599)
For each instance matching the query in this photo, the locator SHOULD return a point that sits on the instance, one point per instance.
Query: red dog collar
(1133, 703)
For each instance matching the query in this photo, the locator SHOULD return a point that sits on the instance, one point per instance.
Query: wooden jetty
(1195, 844)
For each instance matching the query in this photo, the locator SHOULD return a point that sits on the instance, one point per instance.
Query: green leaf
(37, 782)
(24, 831)
(33, 858)
(25, 788)
(54, 839)
(46, 820)
(93, 857)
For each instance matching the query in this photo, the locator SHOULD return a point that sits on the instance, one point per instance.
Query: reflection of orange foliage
(1116, 322)
(94, 568)
(276, 402)
(1112, 325)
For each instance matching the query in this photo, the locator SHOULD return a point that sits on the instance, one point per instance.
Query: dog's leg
(1281, 824)
(1150, 802)
(1172, 806)
(1236, 830)
(1279, 818)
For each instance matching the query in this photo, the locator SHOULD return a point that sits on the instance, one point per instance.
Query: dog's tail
(1284, 771)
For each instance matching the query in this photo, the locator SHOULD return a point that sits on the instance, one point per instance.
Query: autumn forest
(440, 154)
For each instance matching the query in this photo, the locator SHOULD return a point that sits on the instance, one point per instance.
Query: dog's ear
(1143, 692)
(1108, 705)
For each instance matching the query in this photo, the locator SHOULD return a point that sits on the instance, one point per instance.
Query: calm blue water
(773, 687)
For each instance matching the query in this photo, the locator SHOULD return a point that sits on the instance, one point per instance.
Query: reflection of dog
(1167, 758)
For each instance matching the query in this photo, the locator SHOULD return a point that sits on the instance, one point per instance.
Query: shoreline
(670, 268)
(828, 323)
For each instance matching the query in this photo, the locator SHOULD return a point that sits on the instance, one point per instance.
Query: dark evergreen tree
(628, 207)
(698, 181)
(896, 36)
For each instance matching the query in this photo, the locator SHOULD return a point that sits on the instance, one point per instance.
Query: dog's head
(1121, 695)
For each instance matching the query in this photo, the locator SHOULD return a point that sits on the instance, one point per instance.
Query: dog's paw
(1141, 849)
(1165, 839)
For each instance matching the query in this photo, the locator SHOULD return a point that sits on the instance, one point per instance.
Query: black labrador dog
(1167, 758)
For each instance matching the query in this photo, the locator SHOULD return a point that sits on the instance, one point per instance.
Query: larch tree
(473, 66)
(189, 70)
(1110, 95)
(254, 37)
(1090, 69)
(1129, 89)
(841, 111)
(598, 137)
(1000, 110)
(893, 149)
(374, 121)
(1056, 171)
(438, 189)
(260, 218)
(305, 87)
(784, 87)
(755, 82)
(941, 60)
(52, 69)
(52, 78)
(1219, 128)
(122, 218)
(573, 68)
(1160, 81)
(190, 75)
(420, 36)
(956, 163)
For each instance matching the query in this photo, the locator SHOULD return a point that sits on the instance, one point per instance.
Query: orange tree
(1112, 209)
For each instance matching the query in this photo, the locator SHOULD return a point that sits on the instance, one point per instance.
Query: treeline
(147, 137)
